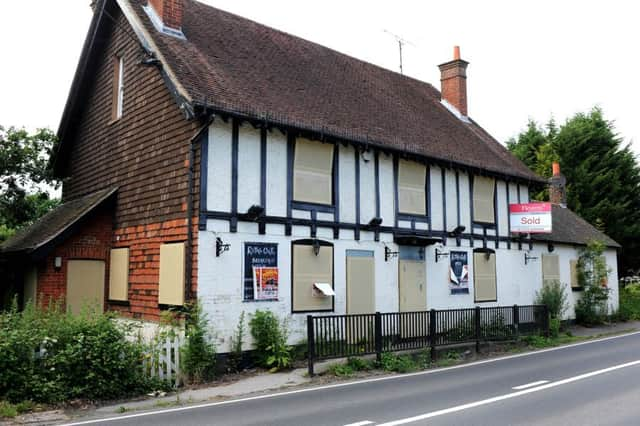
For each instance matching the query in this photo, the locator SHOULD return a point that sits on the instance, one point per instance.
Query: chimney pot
(557, 187)
(453, 80)
(556, 168)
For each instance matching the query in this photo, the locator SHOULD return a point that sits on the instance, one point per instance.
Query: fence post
(546, 320)
(432, 334)
(311, 343)
(478, 329)
(378, 336)
(516, 320)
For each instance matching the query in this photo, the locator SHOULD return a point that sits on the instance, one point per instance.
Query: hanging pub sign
(459, 272)
(530, 218)
(260, 271)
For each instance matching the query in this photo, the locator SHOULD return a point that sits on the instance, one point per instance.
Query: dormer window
(118, 87)
(313, 172)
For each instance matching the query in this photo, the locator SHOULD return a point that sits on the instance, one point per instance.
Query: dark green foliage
(270, 337)
(52, 356)
(23, 167)
(235, 356)
(603, 176)
(554, 327)
(352, 366)
(629, 303)
(554, 296)
(198, 353)
(592, 308)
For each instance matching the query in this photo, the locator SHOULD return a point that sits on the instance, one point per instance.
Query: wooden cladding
(484, 277)
(119, 274)
(313, 172)
(172, 271)
(309, 268)
(411, 188)
(483, 193)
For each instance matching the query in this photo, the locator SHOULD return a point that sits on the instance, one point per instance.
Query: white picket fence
(164, 360)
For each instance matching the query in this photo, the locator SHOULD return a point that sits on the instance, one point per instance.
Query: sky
(528, 59)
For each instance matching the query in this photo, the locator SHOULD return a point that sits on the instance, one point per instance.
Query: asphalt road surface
(592, 383)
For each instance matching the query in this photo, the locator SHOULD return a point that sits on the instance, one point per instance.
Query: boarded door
(412, 291)
(85, 284)
(360, 282)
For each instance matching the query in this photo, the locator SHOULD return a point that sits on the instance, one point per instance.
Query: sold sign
(530, 218)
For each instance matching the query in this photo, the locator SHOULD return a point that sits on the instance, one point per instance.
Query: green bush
(235, 356)
(553, 295)
(398, 363)
(591, 308)
(554, 327)
(629, 303)
(270, 337)
(49, 355)
(198, 353)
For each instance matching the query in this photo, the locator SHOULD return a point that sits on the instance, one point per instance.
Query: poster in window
(261, 276)
(459, 272)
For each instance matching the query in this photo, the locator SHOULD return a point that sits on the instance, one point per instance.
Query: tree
(24, 177)
(603, 176)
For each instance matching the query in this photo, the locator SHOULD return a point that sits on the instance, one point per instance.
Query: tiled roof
(54, 223)
(232, 64)
(570, 228)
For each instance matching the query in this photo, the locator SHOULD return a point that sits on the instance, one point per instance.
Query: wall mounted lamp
(254, 212)
(457, 231)
(316, 247)
(551, 247)
(221, 247)
(57, 263)
(376, 221)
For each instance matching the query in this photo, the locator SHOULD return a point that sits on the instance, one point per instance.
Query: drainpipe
(189, 249)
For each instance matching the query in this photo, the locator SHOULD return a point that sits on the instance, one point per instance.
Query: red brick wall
(170, 11)
(92, 241)
(453, 82)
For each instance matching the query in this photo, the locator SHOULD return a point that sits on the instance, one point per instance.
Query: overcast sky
(528, 59)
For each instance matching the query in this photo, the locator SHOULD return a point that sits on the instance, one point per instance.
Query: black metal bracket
(527, 258)
(440, 254)
(388, 254)
(221, 247)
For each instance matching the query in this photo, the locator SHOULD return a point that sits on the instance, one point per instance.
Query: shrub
(554, 327)
(553, 295)
(49, 355)
(398, 363)
(270, 337)
(235, 356)
(198, 353)
(629, 303)
(591, 308)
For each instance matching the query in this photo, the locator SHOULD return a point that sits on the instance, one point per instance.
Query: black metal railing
(340, 336)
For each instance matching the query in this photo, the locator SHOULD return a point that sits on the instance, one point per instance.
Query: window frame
(493, 202)
(310, 242)
(402, 215)
(163, 305)
(310, 205)
(127, 263)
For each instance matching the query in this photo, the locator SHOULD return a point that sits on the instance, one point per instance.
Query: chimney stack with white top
(453, 80)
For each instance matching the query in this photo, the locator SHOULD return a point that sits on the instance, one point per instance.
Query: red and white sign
(530, 218)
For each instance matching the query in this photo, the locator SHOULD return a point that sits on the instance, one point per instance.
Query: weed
(270, 335)
(7, 409)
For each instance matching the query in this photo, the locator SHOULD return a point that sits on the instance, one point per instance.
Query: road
(591, 383)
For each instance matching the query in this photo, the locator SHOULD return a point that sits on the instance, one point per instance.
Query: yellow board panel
(171, 285)
(573, 267)
(484, 274)
(411, 187)
(360, 285)
(119, 274)
(85, 284)
(483, 199)
(413, 285)
(550, 268)
(313, 172)
(307, 270)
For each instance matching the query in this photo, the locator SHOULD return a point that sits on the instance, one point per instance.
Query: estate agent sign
(530, 218)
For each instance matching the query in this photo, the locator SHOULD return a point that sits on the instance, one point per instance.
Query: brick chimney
(453, 80)
(169, 12)
(557, 187)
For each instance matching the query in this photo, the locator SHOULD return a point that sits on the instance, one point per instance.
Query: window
(171, 285)
(573, 267)
(119, 274)
(311, 265)
(483, 199)
(118, 87)
(313, 172)
(484, 276)
(31, 285)
(550, 268)
(85, 285)
(605, 279)
(411, 187)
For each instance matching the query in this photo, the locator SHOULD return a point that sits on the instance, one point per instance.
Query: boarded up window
(171, 286)
(307, 270)
(119, 274)
(484, 277)
(85, 285)
(360, 282)
(411, 187)
(31, 285)
(483, 189)
(605, 279)
(313, 172)
(550, 268)
(573, 267)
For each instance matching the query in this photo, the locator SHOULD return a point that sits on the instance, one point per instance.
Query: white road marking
(530, 385)
(362, 423)
(339, 385)
(507, 396)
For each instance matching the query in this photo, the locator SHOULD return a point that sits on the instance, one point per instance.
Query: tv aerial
(401, 42)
